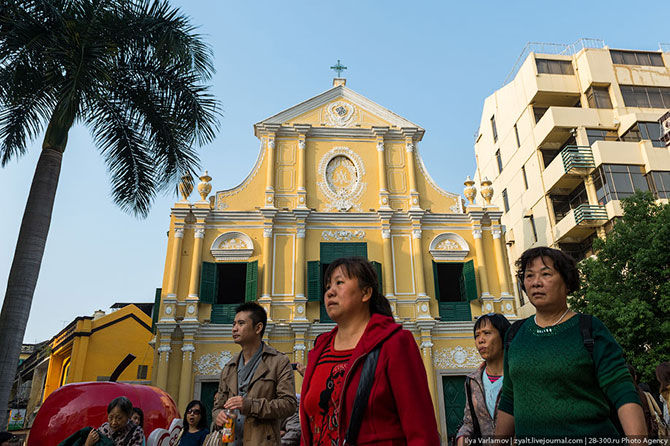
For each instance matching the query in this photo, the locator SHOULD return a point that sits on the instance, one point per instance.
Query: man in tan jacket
(256, 387)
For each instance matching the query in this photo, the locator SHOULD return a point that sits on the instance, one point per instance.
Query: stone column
(302, 144)
(174, 263)
(164, 350)
(196, 263)
(185, 384)
(381, 165)
(266, 294)
(500, 259)
(299, 347)
(482, 274)
(300, 301)
(270, 174)
(387, 266)
(426, 347)
(411, 168)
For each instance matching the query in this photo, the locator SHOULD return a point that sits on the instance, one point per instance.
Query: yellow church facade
(337, 175)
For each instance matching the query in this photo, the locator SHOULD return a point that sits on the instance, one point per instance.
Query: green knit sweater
(554, 389)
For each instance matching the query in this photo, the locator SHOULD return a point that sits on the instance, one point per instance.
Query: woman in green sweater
(553, 387)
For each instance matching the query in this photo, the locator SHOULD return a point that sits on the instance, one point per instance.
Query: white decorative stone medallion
(340, 114)
(232, 246)
(456, 358)
(341, 171)
(211, 363)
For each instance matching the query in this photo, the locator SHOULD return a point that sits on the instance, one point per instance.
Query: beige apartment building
(572, 132)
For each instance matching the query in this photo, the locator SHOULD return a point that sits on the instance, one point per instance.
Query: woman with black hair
(563, 379)
(399, 410)
(138, 419)
(118, 427)
(195, 426)
(482, 387)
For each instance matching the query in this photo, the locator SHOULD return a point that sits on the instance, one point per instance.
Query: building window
(598, 97)
(659, 183)
(505, 200)
(499, 160)
(142, 371)
(646, 97)
(579, 251)
(644, 131)
(525, 179)
(225, 286)
(637, 58)
(494, 128)
(455, 286)
(538, 112)
(563, 204)
(316, 270)
(516, 134)
(616, 182)
(551, 66)
(534, 229)
(601, 135)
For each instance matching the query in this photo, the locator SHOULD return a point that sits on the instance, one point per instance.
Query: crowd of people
(558, 374)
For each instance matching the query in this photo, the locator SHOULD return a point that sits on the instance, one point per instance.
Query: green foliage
(627, 283)
(133, 71)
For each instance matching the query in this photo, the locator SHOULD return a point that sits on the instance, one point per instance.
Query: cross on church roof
(338, 67)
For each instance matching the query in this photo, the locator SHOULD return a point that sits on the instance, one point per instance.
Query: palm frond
(127, 156)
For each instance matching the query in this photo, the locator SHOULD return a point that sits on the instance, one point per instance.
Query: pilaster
(476, 215)
(381, 164)
(165, 331)
(302, 130)
(410, 146)
(268, 225)
(186, 377)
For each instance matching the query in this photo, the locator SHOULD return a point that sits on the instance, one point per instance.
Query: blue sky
(430, 62)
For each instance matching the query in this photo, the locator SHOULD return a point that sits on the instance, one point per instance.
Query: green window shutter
(252, 281)
(436, 281)
(331, 251)
(469, 280)
(209, 283)
(156, 309)
(314, 284)
(378, 268)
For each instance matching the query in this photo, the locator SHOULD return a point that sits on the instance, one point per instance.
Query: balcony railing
(590, 212)
(577, 157)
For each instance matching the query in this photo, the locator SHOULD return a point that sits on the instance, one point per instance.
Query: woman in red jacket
(399, 409)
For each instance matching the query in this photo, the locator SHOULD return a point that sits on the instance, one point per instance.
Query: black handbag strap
(476, 430)
(362, 396)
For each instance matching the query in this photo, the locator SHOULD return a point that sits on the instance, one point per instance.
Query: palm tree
(134, 72)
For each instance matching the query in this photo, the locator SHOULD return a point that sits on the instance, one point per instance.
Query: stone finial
(204, 187)
(470, 191)
(186, 186)
(487, 190)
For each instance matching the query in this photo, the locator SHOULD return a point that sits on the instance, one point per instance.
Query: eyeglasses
(193, 411)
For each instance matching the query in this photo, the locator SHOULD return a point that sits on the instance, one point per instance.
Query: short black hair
(496, 320)
(563, 263)
(361, 269)
(138, 411)
(256, 313)
(203, 415)
(123, 404)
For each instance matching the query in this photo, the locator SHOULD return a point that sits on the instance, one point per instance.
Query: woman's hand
(93, 438)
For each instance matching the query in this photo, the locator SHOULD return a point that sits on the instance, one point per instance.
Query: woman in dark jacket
(399, 410)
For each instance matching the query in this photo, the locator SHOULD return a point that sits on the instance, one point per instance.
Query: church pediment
(339, 107)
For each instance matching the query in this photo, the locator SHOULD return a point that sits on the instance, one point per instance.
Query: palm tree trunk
(25, 268)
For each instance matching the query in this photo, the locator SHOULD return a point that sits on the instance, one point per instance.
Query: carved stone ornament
(449, 246)
(342, 235)
(204, 187)
(470, 190)
(211, 363)
(341, 171)
(340, 114)
(232, 246)
(487, 191)
(456, 358)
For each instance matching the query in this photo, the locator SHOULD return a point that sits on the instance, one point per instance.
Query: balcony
(579, 223)
(555, 125)
(590, 213)
(564, 173)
